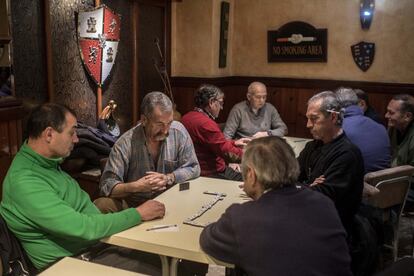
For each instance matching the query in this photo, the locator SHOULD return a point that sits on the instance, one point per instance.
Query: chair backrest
(13, 258)
(392, 192)
(393, 184)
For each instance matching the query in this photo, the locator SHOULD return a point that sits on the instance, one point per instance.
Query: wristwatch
(170, 179)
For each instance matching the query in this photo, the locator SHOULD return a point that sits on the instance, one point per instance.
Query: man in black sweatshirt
(330, 163)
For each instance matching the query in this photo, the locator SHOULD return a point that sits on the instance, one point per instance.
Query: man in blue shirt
(369, 136)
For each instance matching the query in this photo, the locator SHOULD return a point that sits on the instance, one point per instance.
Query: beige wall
(195, 36)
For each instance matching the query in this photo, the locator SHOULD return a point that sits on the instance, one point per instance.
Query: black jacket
(290, 231)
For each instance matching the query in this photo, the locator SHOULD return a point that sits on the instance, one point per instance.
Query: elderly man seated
(148, 158)
(287, 229)
(212, 148)
(370, 137)
(254, 117)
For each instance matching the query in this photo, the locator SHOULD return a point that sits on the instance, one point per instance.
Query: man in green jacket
(400, 116)
(44, 207)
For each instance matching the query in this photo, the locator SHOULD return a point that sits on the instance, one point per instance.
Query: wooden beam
(135, 98)
(49, 58)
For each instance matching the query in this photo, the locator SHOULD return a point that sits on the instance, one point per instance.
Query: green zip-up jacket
(50, 214)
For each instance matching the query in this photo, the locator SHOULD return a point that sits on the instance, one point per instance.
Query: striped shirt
(130, 159)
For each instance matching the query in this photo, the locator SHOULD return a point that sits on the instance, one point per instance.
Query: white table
(297, 144)
(180, 205)
(70, 266)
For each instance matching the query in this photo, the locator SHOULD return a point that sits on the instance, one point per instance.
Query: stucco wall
(196, 35)
(195, 38)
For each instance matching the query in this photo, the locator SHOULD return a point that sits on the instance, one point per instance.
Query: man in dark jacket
(330, 163)
(287, 229)
(369, 136)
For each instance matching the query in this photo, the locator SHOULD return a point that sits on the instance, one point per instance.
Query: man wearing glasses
(330, 163)
(254, 117)
(212, 148)
(148, 158)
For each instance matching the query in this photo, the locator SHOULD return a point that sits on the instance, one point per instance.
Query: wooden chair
(393, 185)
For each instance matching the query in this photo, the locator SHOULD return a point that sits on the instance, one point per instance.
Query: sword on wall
(162, 71)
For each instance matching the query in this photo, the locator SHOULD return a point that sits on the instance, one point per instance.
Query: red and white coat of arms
(98, 38)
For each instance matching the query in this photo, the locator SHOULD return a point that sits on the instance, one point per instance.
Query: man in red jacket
(211, 147)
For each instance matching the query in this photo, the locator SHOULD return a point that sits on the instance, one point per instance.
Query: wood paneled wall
(288, 95)
(11, 115)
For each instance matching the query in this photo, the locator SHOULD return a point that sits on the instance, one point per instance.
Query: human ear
(251, 173)
(408, 116)
(48, 134)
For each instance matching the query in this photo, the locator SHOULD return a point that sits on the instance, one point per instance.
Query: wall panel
(290, 96)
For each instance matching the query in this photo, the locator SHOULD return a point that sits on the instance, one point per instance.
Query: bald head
(256, 95)
(255, 87)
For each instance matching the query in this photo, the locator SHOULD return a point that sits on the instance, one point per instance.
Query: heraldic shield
(363, 54)
(98, 38)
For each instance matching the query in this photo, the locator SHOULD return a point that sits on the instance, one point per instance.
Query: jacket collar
(353, 110)
(45, 162)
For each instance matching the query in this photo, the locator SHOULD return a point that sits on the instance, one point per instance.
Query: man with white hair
(286, 229)
(254, 117)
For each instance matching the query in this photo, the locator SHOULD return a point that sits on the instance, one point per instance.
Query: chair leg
(412, 234)
(395, 244)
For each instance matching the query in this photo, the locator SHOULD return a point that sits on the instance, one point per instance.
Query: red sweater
(209, 142)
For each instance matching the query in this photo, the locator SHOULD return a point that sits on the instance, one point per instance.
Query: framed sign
(297, 42)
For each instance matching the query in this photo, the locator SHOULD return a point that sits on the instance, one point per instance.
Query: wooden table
(183, 244)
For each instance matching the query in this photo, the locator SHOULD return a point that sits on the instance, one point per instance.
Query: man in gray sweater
(254, 117)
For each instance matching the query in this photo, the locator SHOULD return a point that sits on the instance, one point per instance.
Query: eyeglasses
(220, 101)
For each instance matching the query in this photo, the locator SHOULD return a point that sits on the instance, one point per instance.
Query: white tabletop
(71, 266)
(180, 205)
(297, 144)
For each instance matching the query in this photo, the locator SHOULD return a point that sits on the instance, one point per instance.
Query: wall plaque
(363, 54)
(98, 38)
(297, 42)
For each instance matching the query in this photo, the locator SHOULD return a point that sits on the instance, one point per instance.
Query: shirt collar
(259, 111)
(205, 112)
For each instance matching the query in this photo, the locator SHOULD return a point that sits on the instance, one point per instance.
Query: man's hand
(235, 167)
(157, 180)
(260, 134)
(242, 142)
(151, 209)
(140, 185)
(319, 180)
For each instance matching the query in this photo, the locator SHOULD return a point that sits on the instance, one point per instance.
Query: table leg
(173, 266)
(165, 265)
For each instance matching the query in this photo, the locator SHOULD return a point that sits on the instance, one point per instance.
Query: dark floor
(405, 245)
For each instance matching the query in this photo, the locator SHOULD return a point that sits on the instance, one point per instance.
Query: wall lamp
(366, 13)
